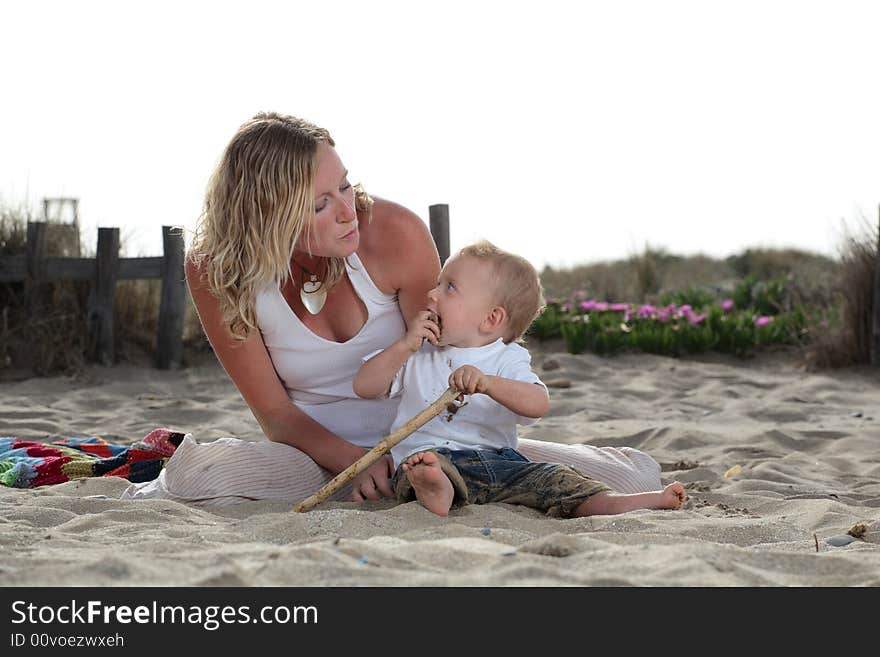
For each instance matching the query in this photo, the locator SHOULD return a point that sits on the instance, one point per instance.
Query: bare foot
(673, 496)
(433, 489)
(602, 504)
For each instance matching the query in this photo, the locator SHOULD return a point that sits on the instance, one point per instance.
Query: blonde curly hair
(517, 286)
(257, 205)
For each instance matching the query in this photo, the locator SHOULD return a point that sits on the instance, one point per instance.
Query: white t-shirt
(481, 423)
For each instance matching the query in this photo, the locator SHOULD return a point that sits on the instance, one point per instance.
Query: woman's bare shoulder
(396, 237)
(390, 216)
(196, 269)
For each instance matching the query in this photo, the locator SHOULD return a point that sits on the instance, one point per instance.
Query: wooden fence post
(875, 337)
(440, 229)
(36, 287)
(100, 310)
(169, 344)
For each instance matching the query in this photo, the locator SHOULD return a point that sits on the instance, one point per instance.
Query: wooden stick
(376, 453)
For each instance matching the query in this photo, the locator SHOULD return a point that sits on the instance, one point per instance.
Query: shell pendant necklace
(312, 292)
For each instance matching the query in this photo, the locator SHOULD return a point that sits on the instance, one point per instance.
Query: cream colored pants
(228, 471)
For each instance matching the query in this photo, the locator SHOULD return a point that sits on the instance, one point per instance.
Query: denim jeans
(482, 476)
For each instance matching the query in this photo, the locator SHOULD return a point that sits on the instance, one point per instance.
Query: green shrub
(695, 297)
(548, 324)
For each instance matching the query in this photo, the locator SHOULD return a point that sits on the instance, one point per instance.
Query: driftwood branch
(376, 453)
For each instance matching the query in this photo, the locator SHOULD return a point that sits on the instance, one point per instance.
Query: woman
(297, 276)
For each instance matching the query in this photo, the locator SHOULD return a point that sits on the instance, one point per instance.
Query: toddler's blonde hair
(517, 286)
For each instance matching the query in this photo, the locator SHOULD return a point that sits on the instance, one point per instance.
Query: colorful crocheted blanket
(25, 464)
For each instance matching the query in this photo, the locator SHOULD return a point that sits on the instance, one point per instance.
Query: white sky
(566, 131)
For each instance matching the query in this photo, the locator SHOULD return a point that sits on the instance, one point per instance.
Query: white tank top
(319, 373)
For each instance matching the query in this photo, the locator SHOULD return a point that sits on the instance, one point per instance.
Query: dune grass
(845, 339)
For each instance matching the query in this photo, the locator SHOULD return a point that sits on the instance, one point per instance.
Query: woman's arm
(248, 365)
(399, 252)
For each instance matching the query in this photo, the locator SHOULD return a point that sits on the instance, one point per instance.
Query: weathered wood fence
(37, 270)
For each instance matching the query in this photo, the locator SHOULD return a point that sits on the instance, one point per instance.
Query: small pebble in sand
(550, 365)
(839, 541)
(485, 531)
(856, 414)
(363, 561)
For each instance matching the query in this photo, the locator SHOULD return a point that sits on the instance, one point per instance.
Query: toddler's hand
(423, 327)
(469, 380)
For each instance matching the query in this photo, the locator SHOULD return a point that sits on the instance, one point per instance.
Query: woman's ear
(495, 320)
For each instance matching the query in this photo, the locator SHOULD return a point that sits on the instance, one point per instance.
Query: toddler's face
(462, 299)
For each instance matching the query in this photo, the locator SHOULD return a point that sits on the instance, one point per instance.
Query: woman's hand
(423, 326)
(375, 482)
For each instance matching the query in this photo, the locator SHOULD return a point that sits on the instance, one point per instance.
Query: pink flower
(727, 305)
(580, 294)
(763, 320)
(619, 307)
(686, 309)
(566, 307)
(600, 306)
(587, 306)
(646, 312)
(663, 315)
(696, 319)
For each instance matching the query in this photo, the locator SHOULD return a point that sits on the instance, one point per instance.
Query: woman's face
(333, 230)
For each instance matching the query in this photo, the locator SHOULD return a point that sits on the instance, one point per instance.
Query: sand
(779, 464)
